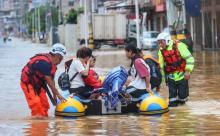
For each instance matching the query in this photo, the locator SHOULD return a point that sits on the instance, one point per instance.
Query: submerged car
(149, 40)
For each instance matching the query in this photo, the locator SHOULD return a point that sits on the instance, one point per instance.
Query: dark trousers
(83, 92)
(178, 88)
(134, 92)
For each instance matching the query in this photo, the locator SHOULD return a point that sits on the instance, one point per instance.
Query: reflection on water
(35, 128)
(176, 122)
(200, 116)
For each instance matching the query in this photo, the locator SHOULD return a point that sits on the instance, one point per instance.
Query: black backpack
(156, 76)
(64, 79)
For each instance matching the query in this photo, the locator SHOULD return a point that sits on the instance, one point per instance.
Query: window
(133, 28)
(71, 2)
(150, 35)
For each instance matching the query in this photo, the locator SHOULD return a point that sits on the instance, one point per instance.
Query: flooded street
(200, 116)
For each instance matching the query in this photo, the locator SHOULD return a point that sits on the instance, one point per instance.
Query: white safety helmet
(164, 36)
(58, 48)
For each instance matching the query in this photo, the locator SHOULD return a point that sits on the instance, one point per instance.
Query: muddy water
(200, 116)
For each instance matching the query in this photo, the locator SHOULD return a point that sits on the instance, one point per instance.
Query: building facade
(11, 13)
(205, 28)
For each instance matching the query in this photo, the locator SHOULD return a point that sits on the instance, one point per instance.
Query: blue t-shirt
(43, 67)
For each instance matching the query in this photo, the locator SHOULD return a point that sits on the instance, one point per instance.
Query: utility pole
(51, 19)
(46, 20)
(137, 24)
(39, 20)
(60, 12)
(86, 22)
(33, 29)
(35, 22)
(91, 11)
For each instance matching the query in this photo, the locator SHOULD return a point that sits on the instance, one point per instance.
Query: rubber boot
(173, 104)
(181, 102)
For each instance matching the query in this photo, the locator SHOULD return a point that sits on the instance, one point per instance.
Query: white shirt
(138, 82)
(76, 66)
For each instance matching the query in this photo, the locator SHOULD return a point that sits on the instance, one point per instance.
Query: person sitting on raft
(155, 70)
(92, 80)
(140, 73)
(80, 68)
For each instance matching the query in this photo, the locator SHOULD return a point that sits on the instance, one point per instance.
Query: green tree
(44, 12)
(71, 17)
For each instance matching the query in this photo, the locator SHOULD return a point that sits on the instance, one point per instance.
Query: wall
(70, 37)
(61, 33)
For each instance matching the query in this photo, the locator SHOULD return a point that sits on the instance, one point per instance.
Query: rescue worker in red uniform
(36, 75)
(177, 64)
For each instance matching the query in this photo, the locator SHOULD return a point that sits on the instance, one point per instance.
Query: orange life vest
(34, 77)
(173, 60)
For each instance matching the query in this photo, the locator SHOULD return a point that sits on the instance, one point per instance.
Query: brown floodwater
(200, 115)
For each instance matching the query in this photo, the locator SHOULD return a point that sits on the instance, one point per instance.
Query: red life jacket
(173, 60)
(34, 77)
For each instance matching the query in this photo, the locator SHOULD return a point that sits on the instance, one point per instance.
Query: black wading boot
(173, 104)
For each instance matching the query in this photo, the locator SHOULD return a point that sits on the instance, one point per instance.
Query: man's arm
(55, 92)
(187, 56)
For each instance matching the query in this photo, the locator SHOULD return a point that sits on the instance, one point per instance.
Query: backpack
(155, 73)
(64, 79)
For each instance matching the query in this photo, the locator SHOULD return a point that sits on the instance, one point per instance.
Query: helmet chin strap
(167, 42)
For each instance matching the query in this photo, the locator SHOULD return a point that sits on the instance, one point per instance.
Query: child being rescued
(92, 80)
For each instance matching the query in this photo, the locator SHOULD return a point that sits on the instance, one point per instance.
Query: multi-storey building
(11, 13)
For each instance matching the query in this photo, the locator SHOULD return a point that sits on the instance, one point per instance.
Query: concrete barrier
(61, 33)
(68, 36)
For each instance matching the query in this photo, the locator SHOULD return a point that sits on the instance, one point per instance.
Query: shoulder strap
(71, 79)
(135, 71)
(67, 65)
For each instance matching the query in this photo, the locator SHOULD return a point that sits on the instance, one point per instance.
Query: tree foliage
(48, 17)
(71, 17)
